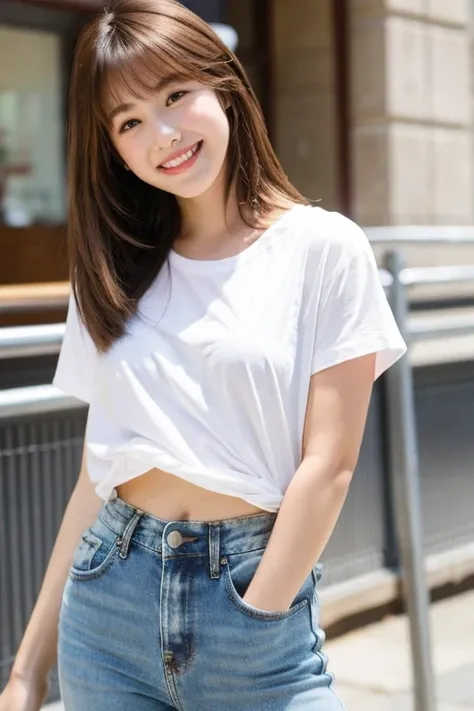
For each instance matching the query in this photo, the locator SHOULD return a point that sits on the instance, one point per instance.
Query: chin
(189, 192)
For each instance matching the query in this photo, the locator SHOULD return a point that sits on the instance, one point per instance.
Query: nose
(165, 133)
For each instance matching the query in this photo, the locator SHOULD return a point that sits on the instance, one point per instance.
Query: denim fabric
(152, 619)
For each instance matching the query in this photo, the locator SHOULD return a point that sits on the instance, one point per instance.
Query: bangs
(138, 59)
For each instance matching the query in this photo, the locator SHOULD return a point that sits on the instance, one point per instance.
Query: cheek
(218, 138)
(130, 149)
(209, 119)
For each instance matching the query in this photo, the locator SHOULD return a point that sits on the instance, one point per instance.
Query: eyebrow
(160, 86)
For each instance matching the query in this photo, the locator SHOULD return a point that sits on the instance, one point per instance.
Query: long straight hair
(120, 229)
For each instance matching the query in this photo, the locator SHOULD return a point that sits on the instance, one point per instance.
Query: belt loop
(214, 551)
(128, 533)
(113, 495)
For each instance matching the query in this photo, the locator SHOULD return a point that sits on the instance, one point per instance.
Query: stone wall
(411, 123)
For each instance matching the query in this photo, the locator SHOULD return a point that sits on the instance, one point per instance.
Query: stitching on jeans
(238, 553)
(255, 614)
(83, 575)
(112, 530)
(174, 690)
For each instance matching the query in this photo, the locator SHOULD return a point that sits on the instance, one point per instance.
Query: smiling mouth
(183, 159)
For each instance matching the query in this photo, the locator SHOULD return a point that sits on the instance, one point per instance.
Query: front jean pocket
(239, 570)
(95, 553)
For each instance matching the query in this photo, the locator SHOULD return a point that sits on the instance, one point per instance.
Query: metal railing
(421, 234)
(397, 280)
(21, 298)
(403, 445)
(35, 400)
(22, 341)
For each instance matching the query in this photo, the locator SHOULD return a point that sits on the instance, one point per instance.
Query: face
(175, 139)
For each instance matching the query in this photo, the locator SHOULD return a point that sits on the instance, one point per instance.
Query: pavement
(372, 665)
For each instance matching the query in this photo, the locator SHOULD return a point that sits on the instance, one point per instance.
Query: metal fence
(404, 471)
(41, 436)
(416, 456)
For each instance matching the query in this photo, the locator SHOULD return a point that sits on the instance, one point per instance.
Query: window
(32, 170)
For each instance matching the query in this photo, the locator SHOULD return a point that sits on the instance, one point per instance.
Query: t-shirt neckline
(213, 265)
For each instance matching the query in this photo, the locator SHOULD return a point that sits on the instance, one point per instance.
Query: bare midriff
(174, 499)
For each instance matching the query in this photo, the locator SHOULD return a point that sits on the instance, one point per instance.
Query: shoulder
(332, 239)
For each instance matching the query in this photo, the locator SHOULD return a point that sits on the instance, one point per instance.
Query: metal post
(404, 468)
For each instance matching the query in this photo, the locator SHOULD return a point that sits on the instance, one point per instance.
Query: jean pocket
(95, 553)
(239, 570)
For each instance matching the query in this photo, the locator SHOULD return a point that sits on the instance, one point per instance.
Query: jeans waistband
(187, 538)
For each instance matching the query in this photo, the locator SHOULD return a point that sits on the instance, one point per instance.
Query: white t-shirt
(211, 381)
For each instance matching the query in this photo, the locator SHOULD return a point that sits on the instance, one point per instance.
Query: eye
(174, 97)
(131, 123)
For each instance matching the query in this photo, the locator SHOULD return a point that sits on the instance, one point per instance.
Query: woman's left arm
(337, 408)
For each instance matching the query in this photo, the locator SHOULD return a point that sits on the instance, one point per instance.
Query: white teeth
(181, 159)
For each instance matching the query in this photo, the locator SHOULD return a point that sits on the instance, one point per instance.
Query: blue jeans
(152, 619)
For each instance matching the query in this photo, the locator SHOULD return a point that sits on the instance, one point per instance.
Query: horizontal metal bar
(41, 399)
(33, 305)
(21, 298)
(418, 276)
(20, 341)
(423, 328)
(34, 400)
(421, 234)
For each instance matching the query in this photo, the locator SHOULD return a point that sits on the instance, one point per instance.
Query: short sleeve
(354, 317)
(77, 360)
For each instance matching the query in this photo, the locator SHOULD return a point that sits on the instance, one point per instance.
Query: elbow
(342, 479)
(344, 472)
(337, 473)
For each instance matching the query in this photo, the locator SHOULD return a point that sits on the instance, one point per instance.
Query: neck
(207, 219)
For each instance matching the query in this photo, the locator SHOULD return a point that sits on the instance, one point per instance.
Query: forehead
(128, 86)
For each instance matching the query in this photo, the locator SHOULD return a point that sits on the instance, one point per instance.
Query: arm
(335, 421)
(37, 652)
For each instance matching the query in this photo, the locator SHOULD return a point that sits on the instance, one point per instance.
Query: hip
(155, 608)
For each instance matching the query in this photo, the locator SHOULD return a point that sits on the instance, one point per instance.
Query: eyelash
(179, 94)
(124, 129)
(176, 93)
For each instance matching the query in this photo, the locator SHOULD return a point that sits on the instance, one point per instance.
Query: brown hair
(120, 230)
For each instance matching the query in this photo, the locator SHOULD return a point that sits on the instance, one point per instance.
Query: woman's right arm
(37, 652)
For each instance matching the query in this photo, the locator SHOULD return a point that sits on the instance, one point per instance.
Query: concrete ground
(372, 665)
(373, 669)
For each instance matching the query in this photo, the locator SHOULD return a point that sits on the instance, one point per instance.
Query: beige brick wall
(305, 112)
(412, 111)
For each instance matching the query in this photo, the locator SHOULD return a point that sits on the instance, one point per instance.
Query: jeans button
(113, 495)
(175, 539)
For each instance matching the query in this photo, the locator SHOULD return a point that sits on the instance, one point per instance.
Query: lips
(180, 158)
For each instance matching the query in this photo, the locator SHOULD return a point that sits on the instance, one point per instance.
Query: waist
(171, 497)
(187, 538)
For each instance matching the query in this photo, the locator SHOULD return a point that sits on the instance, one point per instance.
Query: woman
(226, 335)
